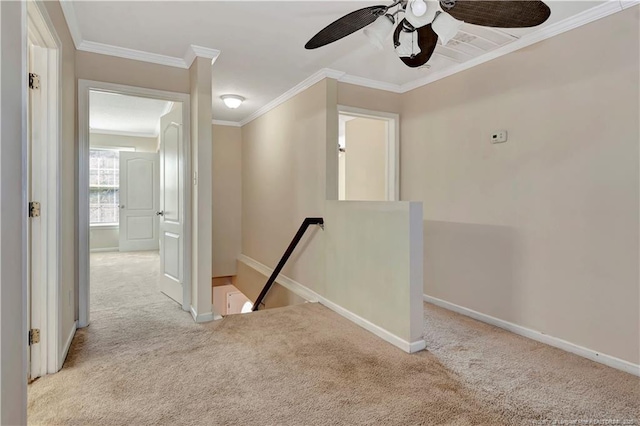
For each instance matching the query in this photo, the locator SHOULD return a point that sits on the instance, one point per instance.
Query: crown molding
(154, 58)
(192, 52)
(136, 55)
(198, 51)
(583, 18)
(628, 3)
(69, 13)
(372, 84)
(226, 123)
(300, 87)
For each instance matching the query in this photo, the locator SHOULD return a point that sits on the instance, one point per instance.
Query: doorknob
(160, 213)
(122, 206)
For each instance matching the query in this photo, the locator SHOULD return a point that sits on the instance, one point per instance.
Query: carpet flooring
(143, 361)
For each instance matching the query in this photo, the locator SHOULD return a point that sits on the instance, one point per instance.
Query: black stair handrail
(296, 239)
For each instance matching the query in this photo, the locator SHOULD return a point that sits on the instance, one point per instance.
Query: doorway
(134, 197)
(368, 157)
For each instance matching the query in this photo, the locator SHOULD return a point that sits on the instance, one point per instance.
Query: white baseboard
(409, 347)
(538, 336)
(67, 345)
(205, 317)
(286, 282)
(312, 296)
(104, 249)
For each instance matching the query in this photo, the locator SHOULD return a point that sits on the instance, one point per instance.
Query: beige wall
(201, 163)
(541, 231)
(227, 198)
(68, 176)
(289, 161)
(284, 181)
(366, 98)
(13, 343)
(365, 159)
(371, 269)
(93, 66)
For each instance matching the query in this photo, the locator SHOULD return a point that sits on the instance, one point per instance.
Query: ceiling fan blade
(344, 26)
(427, 40)
(500, 13)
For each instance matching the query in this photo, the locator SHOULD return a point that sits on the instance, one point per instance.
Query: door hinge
(34, 336)
(34, 81)
(34, 209)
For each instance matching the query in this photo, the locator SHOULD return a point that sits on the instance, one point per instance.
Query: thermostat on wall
(499, 136)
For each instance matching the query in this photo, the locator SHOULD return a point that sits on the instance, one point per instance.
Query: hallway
(144, 361)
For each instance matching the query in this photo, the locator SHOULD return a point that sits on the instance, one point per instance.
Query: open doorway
(133, 198)
(368, 155)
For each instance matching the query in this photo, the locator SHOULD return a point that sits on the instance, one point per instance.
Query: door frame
(84, 87)
(45, 293)
(392, 169)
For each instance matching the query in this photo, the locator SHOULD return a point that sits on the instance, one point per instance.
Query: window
(104, 181)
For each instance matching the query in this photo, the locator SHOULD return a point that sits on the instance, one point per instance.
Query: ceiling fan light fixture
(380, 30)
(446, 26)
(232, 101)
(419, 21)
(418, 7)
(408, 44)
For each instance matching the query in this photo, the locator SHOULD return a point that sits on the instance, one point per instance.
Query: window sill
(104, 226)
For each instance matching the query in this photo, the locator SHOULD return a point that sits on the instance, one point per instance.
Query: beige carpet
(143, 361)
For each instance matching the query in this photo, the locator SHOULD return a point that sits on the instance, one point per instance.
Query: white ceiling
(129, 115)
(262, 42)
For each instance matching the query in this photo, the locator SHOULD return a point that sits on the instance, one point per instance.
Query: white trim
(372, 84)
(409, 347)
(49, 304)
(126, 53)
(538, 336)
(393, 145)
(198, 51)
(286, 282)
(104, 226)
(154, 58)
(122, 133)
(226, 123)
(625, 4)
(312, 296)
(575, 21)
(206, 317)
(84, 86)
(298, 88)
(70, 16)
(67, 345)
(104, 250)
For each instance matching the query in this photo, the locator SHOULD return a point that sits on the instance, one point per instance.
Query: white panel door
(139, 200)
(171, 205)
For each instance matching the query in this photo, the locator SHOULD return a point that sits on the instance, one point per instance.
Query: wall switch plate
(499, 137)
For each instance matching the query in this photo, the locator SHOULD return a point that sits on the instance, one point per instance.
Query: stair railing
(296, 239)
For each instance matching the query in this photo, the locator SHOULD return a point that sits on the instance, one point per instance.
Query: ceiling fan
(426, 21)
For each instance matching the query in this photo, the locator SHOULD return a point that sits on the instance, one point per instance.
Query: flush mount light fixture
(232, 101)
